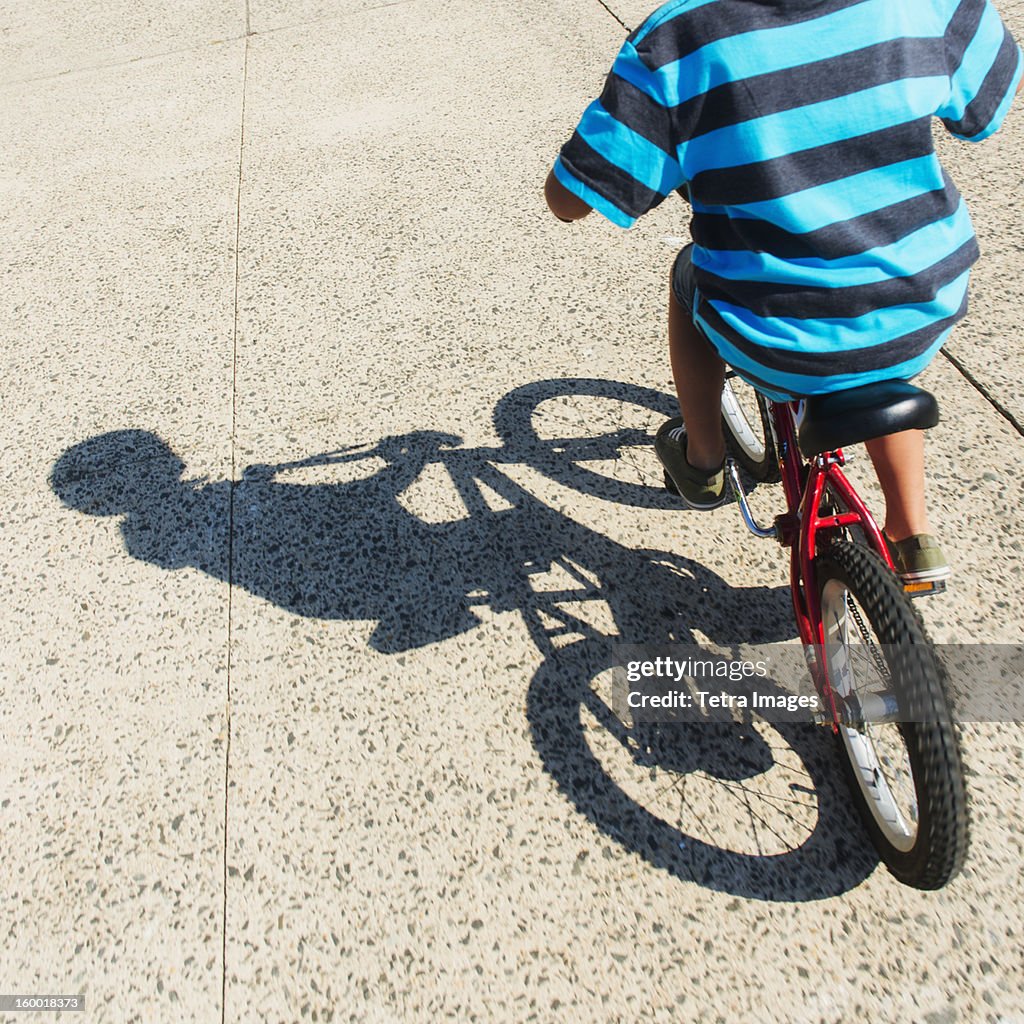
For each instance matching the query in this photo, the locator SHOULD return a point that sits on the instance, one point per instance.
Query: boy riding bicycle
(830, 250)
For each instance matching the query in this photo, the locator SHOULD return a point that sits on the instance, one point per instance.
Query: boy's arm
(562, 203)
(622, 158)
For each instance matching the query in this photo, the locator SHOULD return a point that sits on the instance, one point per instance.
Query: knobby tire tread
(931, 739)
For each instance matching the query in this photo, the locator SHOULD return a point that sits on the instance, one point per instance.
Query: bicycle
(877, 676)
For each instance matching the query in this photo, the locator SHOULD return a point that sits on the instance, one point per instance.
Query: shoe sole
(939, 575)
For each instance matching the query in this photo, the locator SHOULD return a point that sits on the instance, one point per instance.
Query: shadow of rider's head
(117, 473)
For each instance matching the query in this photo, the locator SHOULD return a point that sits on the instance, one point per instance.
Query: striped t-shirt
(831, 249)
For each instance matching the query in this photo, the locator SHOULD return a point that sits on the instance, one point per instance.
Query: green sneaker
(918, 560)
(700, 490)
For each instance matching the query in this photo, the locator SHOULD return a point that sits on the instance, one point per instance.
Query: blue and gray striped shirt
(831, 249)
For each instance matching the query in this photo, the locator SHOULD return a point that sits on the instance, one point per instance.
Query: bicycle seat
(860, 414)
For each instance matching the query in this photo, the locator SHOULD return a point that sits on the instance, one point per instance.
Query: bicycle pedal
(924, 589)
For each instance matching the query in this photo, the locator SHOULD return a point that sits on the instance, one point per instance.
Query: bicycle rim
(876, 751)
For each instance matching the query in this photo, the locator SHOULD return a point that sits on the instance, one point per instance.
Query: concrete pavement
(303, 691)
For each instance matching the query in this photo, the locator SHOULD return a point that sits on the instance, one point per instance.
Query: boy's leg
(699, 375)
(899, 462)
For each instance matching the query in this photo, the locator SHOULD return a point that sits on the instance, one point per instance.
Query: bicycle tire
(929, 854)
(748, 431)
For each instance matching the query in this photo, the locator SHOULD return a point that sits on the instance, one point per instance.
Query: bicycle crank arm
(733, 476)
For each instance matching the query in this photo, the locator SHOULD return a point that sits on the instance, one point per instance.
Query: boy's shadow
(331, 551)
(352, 551)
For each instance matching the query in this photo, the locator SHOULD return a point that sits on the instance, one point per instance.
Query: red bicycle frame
(809, 522)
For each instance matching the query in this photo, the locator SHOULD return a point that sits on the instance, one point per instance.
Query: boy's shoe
(699, 489)
(918, 559)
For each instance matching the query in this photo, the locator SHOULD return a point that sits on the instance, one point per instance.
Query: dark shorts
(684, 288)
(684, 281)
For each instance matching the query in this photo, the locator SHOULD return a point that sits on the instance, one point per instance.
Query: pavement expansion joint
(614, 15)
(983, 391)
(114, 64)
(231, 517)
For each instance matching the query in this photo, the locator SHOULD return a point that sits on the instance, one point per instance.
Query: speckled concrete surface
(117, 319)
(991, 178)
(60, 37)
(314, 558)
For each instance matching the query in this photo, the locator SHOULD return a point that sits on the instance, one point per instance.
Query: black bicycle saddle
(859, 414)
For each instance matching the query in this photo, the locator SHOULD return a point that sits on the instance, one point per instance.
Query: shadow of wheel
(564, 427)
(618, 777)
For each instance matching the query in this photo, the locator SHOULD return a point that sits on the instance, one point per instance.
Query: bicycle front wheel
(748, 430)
(897, 740)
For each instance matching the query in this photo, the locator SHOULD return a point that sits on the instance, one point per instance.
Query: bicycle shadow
(808, 814)
(352, 550)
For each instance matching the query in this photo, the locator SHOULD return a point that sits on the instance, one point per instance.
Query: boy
(830, 249)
